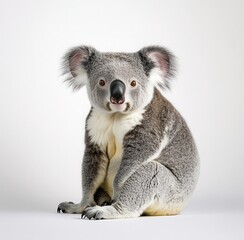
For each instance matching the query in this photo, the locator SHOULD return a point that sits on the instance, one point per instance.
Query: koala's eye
(101, 82)
(133, 83)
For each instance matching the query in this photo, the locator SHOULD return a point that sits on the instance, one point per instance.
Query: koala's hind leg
(150, 190)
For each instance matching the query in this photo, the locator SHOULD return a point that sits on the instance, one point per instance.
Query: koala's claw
(59, 209)
(83, 215)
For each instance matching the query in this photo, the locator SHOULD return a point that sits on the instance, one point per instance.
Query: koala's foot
(106, 212)
(70, 207)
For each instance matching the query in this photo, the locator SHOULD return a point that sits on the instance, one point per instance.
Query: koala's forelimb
(93, 173)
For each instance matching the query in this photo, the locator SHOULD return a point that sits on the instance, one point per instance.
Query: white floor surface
(189, 225)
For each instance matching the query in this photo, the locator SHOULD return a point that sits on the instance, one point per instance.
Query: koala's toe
(99, 215)
(105, 204)
(91, 213)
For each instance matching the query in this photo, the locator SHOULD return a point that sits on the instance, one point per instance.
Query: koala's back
(178, 151)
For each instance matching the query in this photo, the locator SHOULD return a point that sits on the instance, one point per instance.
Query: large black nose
(117, 92)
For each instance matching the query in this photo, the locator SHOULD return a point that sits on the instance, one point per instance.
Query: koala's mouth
(127, 107)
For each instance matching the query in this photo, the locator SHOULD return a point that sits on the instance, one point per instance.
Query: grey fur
(152, 178)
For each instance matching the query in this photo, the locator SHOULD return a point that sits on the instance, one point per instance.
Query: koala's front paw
(65, 207)
(70, 207)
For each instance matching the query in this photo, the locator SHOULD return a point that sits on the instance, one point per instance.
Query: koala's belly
(107, 131)
(114, 153)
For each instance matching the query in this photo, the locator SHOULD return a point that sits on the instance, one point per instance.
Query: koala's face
(119, 82)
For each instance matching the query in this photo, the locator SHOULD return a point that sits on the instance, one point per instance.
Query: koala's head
(119, 82)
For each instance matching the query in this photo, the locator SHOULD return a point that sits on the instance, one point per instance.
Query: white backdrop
(42, 121)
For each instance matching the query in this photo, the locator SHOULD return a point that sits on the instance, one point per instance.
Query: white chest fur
(108, 131)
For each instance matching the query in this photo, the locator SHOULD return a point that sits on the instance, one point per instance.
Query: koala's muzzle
(117, 92)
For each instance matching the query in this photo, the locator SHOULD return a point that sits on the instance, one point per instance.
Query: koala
(140, 157)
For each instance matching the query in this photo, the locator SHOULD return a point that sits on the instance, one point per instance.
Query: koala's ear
(75, 63)
(159, 65)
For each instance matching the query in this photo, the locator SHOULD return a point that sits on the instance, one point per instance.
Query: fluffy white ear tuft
(75, 63)
(159, 65)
